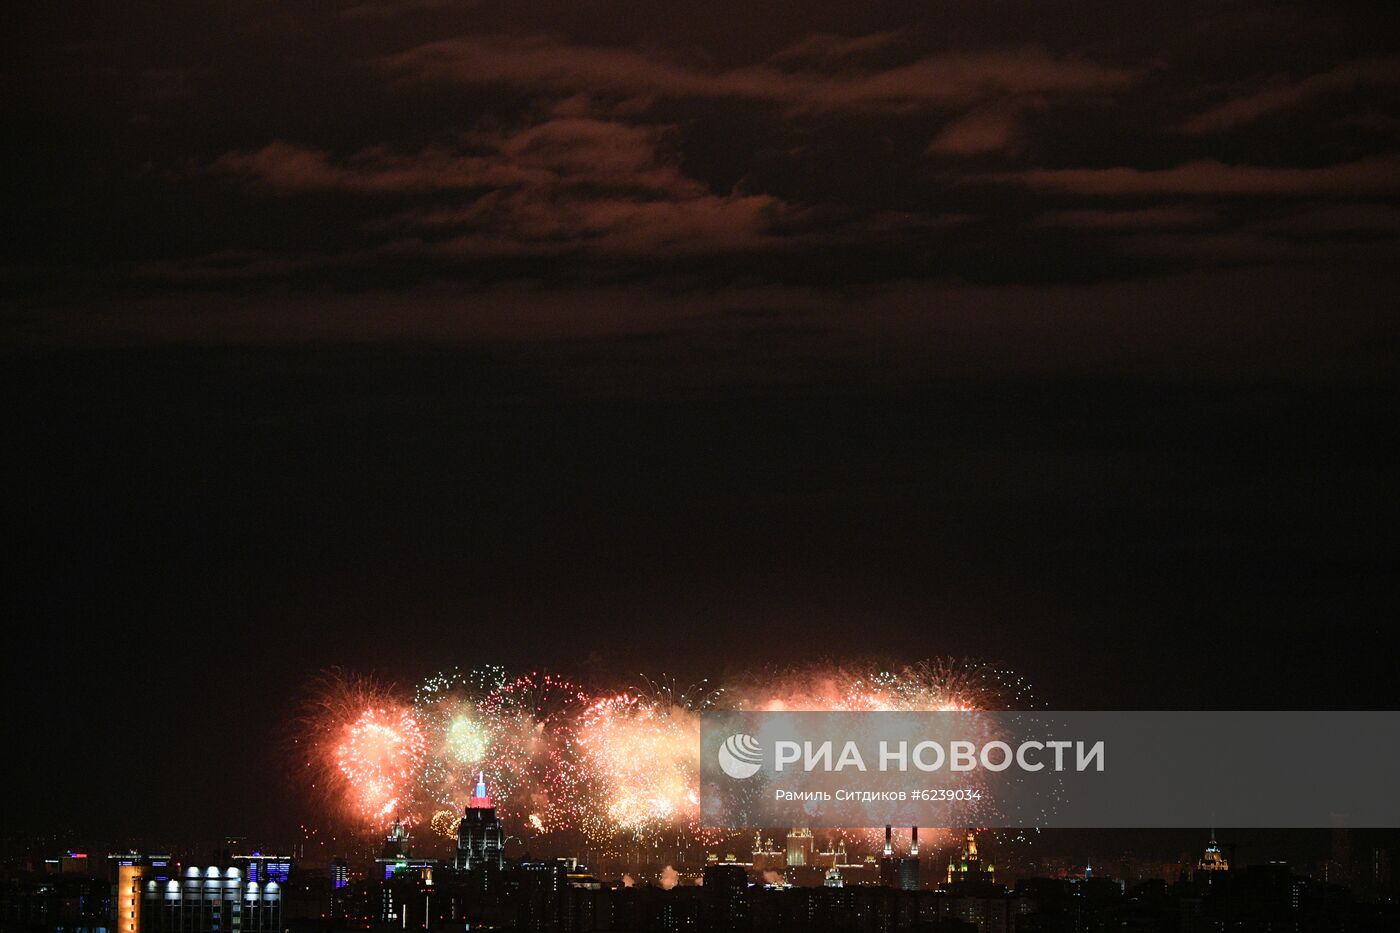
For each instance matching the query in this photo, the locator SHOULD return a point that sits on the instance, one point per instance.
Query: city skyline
(150, 893)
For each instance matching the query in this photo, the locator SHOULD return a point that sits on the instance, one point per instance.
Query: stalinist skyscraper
(480, 838)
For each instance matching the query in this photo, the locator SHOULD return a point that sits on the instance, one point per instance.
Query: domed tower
(1212, 859)
(396, 843)
(970, 867)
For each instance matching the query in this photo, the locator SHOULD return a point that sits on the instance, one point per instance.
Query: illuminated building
(1211, 859)
(396, 858)
(902, 873)
(159, 864)
(340, 874)
(800, 848)
(970, 867)
(766, 855)
(208, 900)
(833, 856)
(909, 867)
(73, 863)
(542, 891)
(126, 902)
(480, 838)
(833, 878)
(264, 868)
(132, 870)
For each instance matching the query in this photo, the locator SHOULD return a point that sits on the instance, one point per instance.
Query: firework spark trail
(448, 709)
(939, 684)
(361, 748)
(379, 755)
(532, 757)
(620, 766)
(642, 751)
(934, 685)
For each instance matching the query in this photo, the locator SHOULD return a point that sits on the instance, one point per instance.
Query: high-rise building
(1212, 860)
(909, 866)
(833, 856)
(397, 842)
(264, 868)
(126, 900)
(480, 837)
(970, 867)
(207, 900)
(542, 893)
(900, 872)
(396, 858)
(133, 873)
(766, 855)
(800, 847)
(725, 898)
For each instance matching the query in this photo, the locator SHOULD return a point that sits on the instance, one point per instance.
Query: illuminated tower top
(970, 867)
(1212, 859)
(480, 800)
(481, 839)
(396, 843)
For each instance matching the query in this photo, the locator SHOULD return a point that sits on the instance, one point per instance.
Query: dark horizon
(619, 341)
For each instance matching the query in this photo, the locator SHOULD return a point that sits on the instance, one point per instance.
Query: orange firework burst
(641, 752)
(379, 755)
(362, 748)
(646, 760)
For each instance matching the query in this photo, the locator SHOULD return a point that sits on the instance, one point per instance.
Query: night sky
(682, 338)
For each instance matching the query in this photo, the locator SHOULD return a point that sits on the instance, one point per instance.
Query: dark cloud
(570, 183)
(1281, 94)
(801, 82)
(1131, 219)
(992, 128)
(1374, 175)
(413, 144)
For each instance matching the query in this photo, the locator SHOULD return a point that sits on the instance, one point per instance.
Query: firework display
(529, 725)
(615, 766)
(933, 685)
(642, 751)
(447, 707)
(365, 749)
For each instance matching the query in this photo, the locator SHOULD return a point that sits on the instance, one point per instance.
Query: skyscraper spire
(480, 800)
(481, 839)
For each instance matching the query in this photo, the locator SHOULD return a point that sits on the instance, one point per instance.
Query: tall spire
(481, 800)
